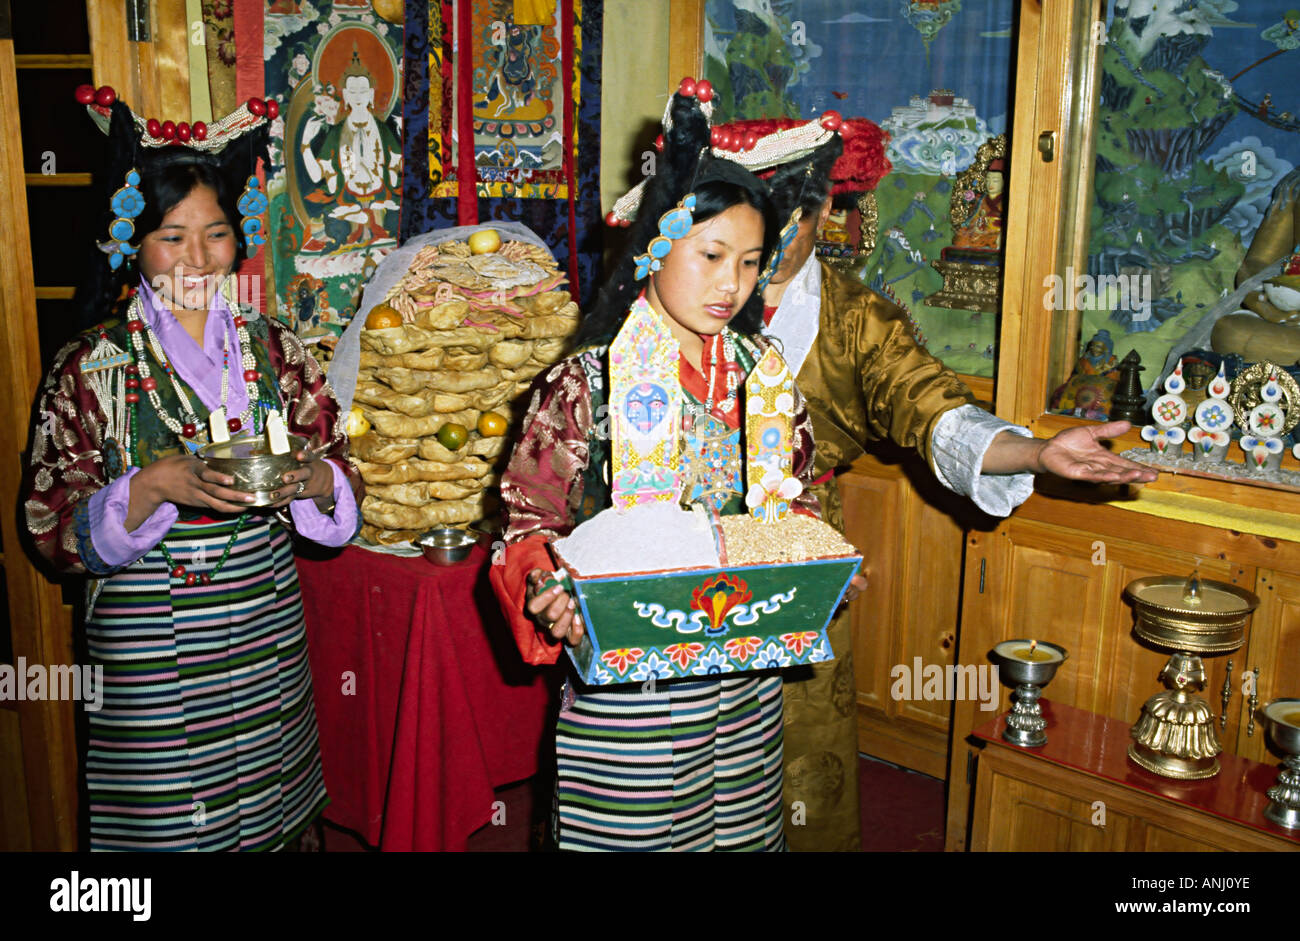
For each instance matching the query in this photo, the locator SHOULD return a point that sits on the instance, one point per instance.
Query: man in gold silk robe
(865, 378)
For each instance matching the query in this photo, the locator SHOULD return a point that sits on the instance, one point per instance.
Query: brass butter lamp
(1175, 735)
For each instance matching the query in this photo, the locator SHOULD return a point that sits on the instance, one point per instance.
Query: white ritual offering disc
(1215, 415)
(1169, 410)
(1266, 420)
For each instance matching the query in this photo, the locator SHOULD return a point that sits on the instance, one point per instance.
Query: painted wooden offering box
(701, 621)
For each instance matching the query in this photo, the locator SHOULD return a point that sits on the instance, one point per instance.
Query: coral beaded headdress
(796, 153)
(139, 140)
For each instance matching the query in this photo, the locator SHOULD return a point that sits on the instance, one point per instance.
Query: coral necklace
(139, 329)
(138, 378)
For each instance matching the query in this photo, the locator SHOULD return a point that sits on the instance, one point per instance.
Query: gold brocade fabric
(219, 30)
(864, 379)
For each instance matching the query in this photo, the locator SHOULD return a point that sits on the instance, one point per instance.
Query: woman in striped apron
(687, 764)
(206, 738)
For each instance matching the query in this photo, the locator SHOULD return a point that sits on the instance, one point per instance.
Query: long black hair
(718, 184)
(167, 176)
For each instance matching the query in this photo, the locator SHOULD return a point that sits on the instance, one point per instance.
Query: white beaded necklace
(137, 325)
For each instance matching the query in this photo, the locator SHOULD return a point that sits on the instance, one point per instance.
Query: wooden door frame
(41, 624)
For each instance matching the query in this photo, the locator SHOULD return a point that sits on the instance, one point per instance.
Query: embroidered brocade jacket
(70, 459)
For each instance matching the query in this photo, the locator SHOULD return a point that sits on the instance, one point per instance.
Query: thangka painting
(517, 97)
(1197, 144)
(935, 74)
(335, 180)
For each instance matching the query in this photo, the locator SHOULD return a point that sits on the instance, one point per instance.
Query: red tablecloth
(423, 703)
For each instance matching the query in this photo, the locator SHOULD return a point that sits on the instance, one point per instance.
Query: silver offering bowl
(249, 460)
(1283, 718)
(1025, 722)
(446, 545)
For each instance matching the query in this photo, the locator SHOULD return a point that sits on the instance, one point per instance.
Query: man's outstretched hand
(1075, 454)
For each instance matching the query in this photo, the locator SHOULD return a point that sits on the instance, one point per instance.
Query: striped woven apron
(207, 735)
(694, 765)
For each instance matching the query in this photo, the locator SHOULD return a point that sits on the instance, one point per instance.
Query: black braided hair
(793, 186)
(167, 176)
(681, 170)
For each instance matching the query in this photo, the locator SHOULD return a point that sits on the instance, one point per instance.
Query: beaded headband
(128, 202)
(751, 151)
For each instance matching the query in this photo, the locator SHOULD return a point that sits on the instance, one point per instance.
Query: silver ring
(302, 485)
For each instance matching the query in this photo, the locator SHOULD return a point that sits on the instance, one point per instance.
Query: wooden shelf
(1048, 797)
(52, 61)
(57, 179)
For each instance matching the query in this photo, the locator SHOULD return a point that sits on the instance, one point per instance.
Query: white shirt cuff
(958, 444)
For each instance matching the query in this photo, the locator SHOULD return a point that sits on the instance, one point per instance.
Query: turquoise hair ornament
(127, 203)
(673, 224)
(783, 242)
(252, 204)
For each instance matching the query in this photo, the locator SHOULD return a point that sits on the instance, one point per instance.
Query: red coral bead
(611, 220)
(199, 130)
(188, 430)
(240, 321)
(831, 120)
(132, 397)
(750, 140)
(132, 382)
(715, 135)
(149, 383)
(251, 375)
(168, 130)
(257, 106)
(659, 143)
(624, 223)
(178, 572)
(687, 87)
(135, 326)
(272, 108)
(105, 96)
(183, 132)
(133, 370)
(704, 90)
(190, 578)
(234, 424)
(85, 94)
(154, 127)
(205, 578)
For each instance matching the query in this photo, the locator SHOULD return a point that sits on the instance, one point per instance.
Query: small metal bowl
(446, 545)
(248, 459)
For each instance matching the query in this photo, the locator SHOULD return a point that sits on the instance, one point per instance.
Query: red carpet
(902, 812)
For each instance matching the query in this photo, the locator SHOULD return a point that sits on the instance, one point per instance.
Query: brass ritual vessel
(1175, 735)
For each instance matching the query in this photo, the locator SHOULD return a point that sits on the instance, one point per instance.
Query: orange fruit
(492, 425)
(382, 316)
(452, 436)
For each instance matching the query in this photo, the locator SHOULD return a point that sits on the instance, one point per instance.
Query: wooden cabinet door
(1041, 580)
(1273, 646)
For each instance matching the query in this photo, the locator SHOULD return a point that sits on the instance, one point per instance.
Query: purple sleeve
(336, 530)
(108, 534)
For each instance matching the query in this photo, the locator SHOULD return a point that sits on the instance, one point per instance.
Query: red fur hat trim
(863, 163)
